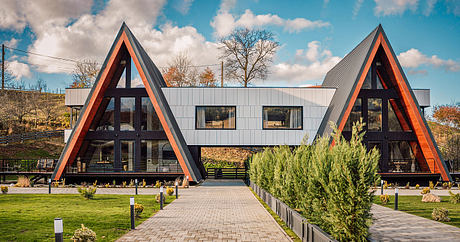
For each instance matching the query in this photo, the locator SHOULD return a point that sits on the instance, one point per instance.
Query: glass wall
(96, 156)
(127, 111)
(374, 114)
(402, 158)
(214, 117)
(282, 118)
(127, 155)
(158, 156)
(355, 115)
(107, 110)
(149, 118)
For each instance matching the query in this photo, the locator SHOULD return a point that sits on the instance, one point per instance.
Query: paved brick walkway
(391, 225)
(215, 211)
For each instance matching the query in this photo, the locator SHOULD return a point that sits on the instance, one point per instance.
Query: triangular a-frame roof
(153, 81)
(348, 77)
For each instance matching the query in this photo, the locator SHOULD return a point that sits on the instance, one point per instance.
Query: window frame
(214, 106)
(269, 106)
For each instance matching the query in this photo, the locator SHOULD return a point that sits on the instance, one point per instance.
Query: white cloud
(182, 6)
(429, 7)
(224, 22)
(413, 58)
(394, 7)
(11, 43)
(90, 37)
(310, 64)
(40, 14)
(18, 69)
(357, 7)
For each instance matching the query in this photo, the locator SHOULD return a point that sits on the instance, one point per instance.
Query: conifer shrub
(329, 184)
(169, 191)
(87, 192)
(4, 189)
(384, 199)
(84, 234)
(454, 197)
(138, 209)
(440, 214)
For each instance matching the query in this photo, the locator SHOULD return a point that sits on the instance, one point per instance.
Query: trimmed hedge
(330, 184)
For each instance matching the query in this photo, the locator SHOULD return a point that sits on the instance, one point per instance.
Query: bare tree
(9, 78)
(180, 72)
(247, 54)
(84, 74)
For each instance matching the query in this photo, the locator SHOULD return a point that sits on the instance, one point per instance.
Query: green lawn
(29, 217)
(414, 205)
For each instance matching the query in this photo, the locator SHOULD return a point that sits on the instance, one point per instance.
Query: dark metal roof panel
(344, 76)
(156, 81)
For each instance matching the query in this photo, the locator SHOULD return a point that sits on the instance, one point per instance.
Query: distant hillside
(29, 111)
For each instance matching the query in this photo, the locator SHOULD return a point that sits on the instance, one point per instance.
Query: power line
(52, 57)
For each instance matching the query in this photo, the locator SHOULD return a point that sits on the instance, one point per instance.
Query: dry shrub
(23, 181)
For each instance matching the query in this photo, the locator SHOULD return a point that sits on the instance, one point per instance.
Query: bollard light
(381, 187)
(396, 198)
(131, 203)
(49, 186)
(161, 197)
(177, 189)
(58, 230)
(136, 185)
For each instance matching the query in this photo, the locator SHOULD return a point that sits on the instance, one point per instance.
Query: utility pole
(3, 66)
(222, 74)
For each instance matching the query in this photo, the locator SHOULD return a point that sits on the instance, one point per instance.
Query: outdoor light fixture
(131, 203)
(396, 198)
(381, 187)
(177, 189)
(161, 197)
(49, 186)
(123, 62)
(136, 185)
(58, 230)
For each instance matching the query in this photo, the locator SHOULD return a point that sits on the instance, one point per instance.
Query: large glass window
(214, 117)
(374, 107)
(355, 115)
(282, 117)
(127, 155)
(158, 156)
(367, 81)
(149, 118)
(98, 156)
(402, 158)
(127, 111)
(106, 122)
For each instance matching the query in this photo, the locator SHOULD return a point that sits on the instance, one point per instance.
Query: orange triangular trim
(76, 139)
(427, 145)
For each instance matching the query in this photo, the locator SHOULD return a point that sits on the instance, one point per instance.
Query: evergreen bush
(330, 184)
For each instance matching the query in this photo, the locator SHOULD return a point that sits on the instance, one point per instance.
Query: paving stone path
(391, 225)
(216, 211)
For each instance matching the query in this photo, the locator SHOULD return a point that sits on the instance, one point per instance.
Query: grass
(29, 217)
(415, 206)
(280, 222)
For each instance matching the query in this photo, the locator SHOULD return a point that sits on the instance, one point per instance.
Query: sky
(313, 36)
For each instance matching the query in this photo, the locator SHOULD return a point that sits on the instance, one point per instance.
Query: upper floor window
(215, 117)
(282, 118)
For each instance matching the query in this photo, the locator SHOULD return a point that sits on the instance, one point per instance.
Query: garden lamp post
(49, 186)
(131, 203)
(161, 197)
(177, 189)
(136, 185)
(396, 198)
(381, 187)
(58, 230)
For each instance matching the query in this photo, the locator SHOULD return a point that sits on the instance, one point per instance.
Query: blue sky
(314, 35)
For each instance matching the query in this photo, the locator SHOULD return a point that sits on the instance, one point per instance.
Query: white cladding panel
(76, 96)
(422, 96)
(249, 103)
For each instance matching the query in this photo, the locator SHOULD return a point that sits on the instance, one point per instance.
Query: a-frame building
(109, 120)
(127, 130)
(371, 85)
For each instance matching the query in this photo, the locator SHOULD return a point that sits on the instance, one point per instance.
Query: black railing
(293, 219)
(27, 165)
(30, 136)
(226, 173)
(162, 166)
